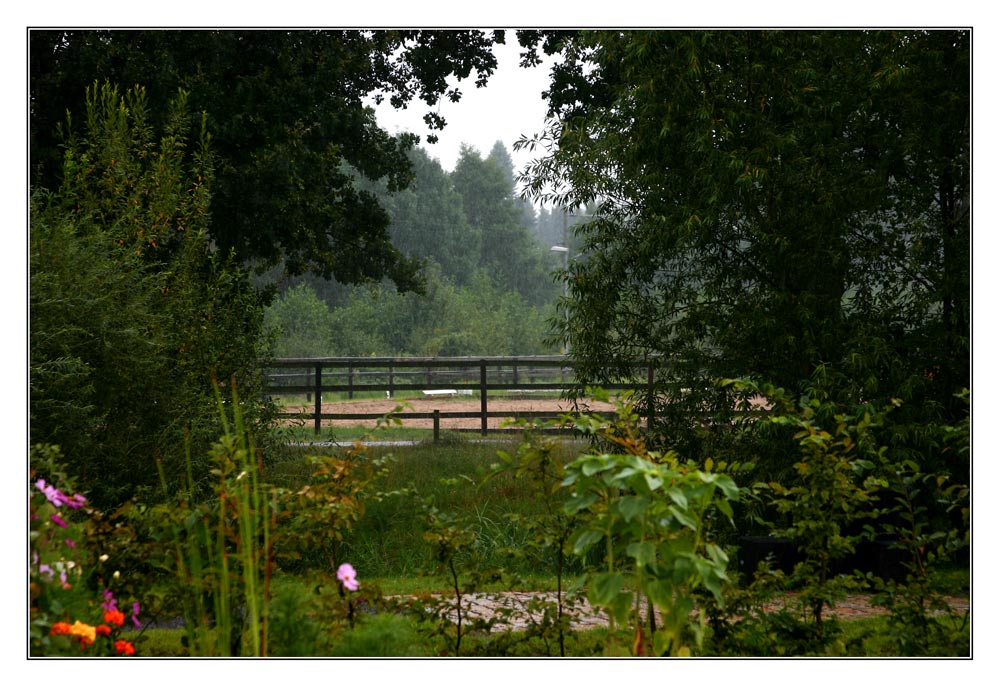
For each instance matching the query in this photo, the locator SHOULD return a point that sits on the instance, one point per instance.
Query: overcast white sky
(510, 106)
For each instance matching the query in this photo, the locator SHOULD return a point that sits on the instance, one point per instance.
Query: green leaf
(579, 502)
(631, 507)
(677, 496)
(683, 517)
(585, 539)
(644, 553)
(605, 587)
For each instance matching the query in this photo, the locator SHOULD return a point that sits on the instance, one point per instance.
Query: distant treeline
(490, 282)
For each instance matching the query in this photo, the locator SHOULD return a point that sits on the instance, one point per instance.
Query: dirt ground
(455, 404)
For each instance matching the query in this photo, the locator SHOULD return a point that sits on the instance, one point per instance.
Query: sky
(509, 106)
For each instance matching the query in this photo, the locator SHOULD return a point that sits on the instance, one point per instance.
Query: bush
(132, 313)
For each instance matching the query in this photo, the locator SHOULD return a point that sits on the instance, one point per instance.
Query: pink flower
(135, 614)
(75, 501)
(348, 577)
(57, 520)
(56, 497)
(59, 499)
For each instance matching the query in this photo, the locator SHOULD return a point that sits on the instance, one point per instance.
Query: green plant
(452, 544)
(833, 489)
(217, 552)
(548, 532)
(649, 511)
(57, 585)
(930, 540)
(132, 311)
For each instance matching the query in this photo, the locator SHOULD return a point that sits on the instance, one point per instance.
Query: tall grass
(203, 543)
(388, 540)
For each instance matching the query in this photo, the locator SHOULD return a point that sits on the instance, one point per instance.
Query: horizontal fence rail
(465, 376)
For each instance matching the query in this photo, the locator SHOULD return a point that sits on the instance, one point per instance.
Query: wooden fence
(476, 377)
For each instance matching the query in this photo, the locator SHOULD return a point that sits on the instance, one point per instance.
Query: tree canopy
(769, 202)
(289, 124)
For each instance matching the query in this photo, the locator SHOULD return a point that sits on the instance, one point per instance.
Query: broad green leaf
(644, 553)
(677, 496)
(585, 539)
(579, 502)
(604, 588)
(683, 517)
(631, 507)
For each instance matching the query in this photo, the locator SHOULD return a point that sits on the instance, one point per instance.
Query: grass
(388, 634)
(306, 432)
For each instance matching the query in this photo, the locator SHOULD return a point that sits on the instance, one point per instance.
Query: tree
(509, 252)
(478, 318)
(287, 114)
(428, 223)
(769, 202)
(499, 155)
(132, 314)
(304, 322)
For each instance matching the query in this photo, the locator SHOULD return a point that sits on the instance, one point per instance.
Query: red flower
(103, 630)
(61, 628)
(123, 648)
(114, 616)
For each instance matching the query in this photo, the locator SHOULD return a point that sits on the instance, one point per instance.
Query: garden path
(514, 613)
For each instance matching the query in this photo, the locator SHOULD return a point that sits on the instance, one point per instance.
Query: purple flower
(135, 614)
(347, 576)
(54, 496)
(57, 520)
(44, 569)
(110, 602)
(75, 501)
(70, 543)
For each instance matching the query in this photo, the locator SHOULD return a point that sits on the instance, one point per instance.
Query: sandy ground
(447, 405)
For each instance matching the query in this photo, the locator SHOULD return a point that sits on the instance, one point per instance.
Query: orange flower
(123, 648)
(103, 630)
(61, 628)
(114, 616)
(85, 632)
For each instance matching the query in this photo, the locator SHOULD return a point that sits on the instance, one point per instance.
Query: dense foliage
(133, 314)
(488, 288)
(287, 114)
(769, 202)
(780, 217)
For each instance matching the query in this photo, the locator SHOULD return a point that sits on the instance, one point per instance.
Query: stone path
(518, 616)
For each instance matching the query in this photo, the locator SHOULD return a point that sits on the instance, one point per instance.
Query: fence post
(482, 394)
(392, 382)
(437, 425)
(318, 392)
(350, 381)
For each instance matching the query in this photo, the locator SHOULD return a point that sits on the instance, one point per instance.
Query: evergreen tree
(509, 253)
